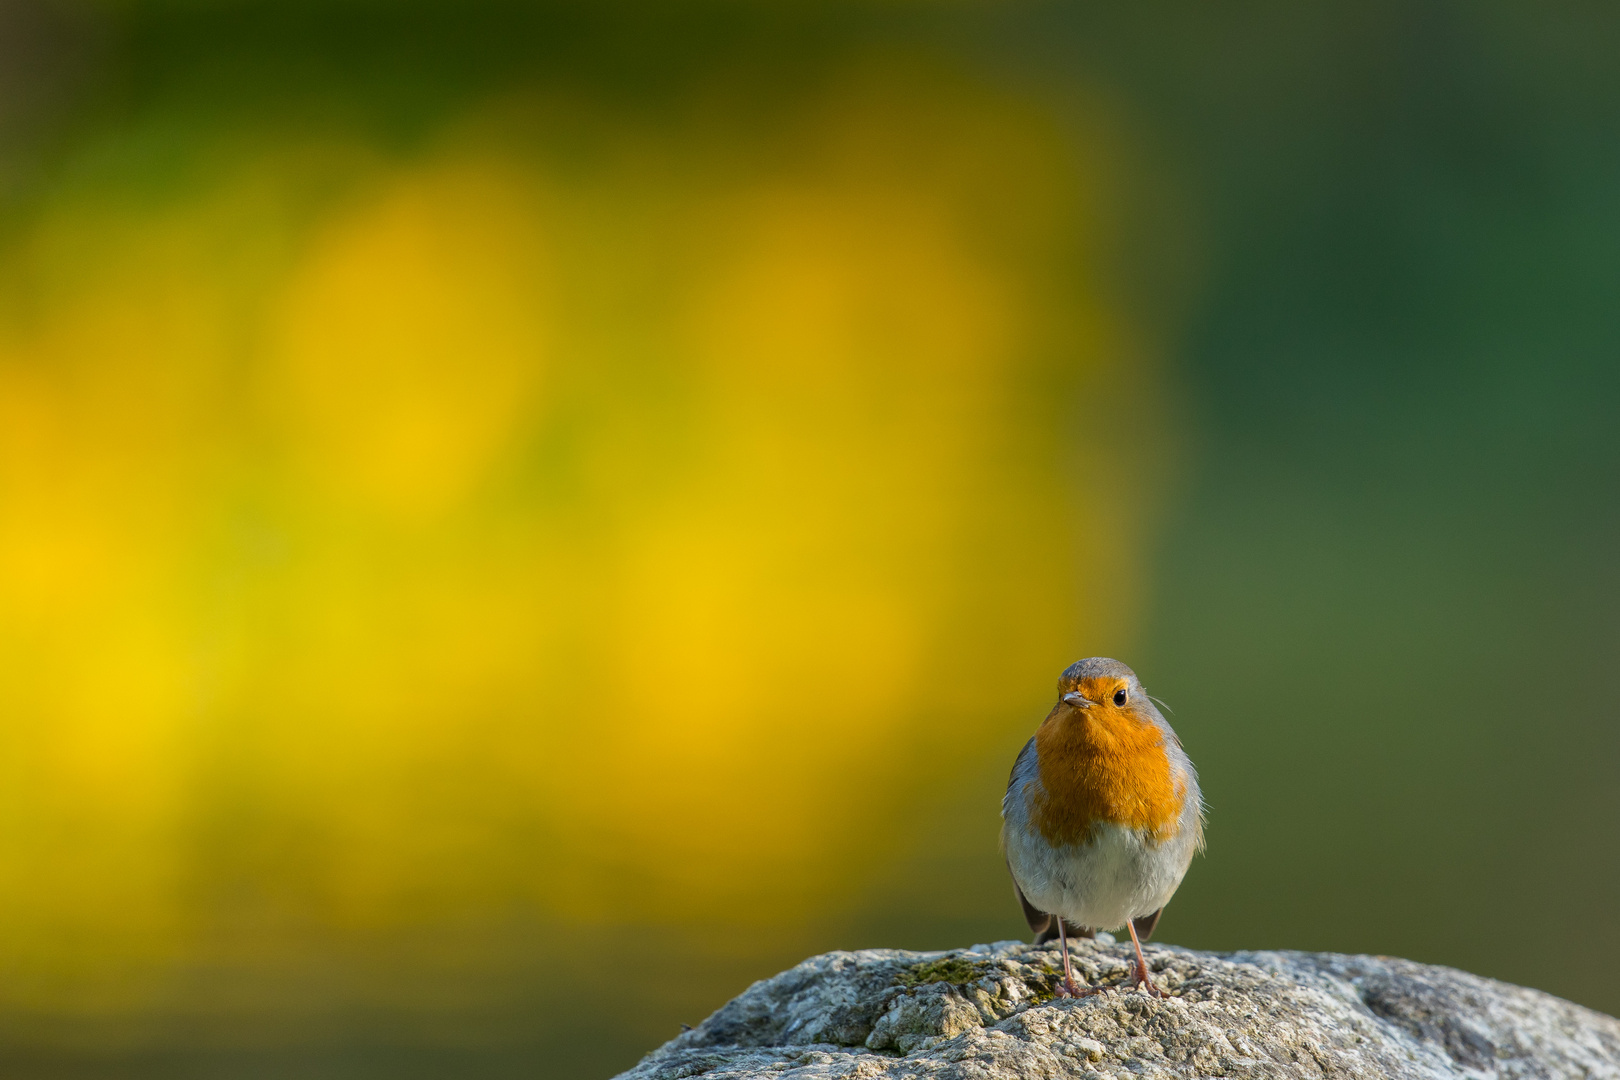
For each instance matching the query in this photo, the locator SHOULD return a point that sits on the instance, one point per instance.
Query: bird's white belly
(1115, 877)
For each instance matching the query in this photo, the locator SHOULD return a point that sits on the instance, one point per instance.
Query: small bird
(1102, 814)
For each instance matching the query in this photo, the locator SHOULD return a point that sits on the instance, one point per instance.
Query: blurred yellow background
(393, 537)
(516, 520)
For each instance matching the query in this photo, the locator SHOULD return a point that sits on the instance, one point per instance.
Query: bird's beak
(1074, 698)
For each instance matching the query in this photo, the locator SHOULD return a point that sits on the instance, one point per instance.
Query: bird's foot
(1069, 988)
(1140, 977)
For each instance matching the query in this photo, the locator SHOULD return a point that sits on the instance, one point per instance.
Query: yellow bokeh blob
(414, 333)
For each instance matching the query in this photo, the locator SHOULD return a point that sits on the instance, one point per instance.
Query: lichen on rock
(989, 1013)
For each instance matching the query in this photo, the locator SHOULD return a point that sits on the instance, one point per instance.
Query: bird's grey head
(1099, 679)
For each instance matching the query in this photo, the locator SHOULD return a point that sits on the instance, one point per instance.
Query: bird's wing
(1026, 753)
(1144, 924)
(1039, 921)
(1044, 925)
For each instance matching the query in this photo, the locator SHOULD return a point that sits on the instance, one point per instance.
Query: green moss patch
(951, 969)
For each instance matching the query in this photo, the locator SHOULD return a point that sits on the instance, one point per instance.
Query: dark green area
(1386, 606)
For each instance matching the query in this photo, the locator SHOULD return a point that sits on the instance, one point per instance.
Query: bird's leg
(1069, 988)
(1141, 978)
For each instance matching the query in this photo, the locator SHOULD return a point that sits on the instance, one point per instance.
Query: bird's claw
(1068, 988)
(1140, 979)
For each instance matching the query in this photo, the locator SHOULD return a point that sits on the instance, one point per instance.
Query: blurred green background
(519, 519)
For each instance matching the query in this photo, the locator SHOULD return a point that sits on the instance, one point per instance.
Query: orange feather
(1103, 764)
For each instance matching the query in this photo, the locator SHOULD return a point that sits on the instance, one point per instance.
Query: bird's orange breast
(1103, 765)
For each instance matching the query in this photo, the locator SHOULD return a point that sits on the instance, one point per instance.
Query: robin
(1102, 814)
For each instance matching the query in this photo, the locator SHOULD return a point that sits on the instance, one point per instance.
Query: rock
(989, 1013)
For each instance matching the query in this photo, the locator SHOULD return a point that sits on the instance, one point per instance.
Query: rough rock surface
(988, 1013)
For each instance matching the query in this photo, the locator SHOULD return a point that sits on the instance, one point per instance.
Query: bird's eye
(1119, 697)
